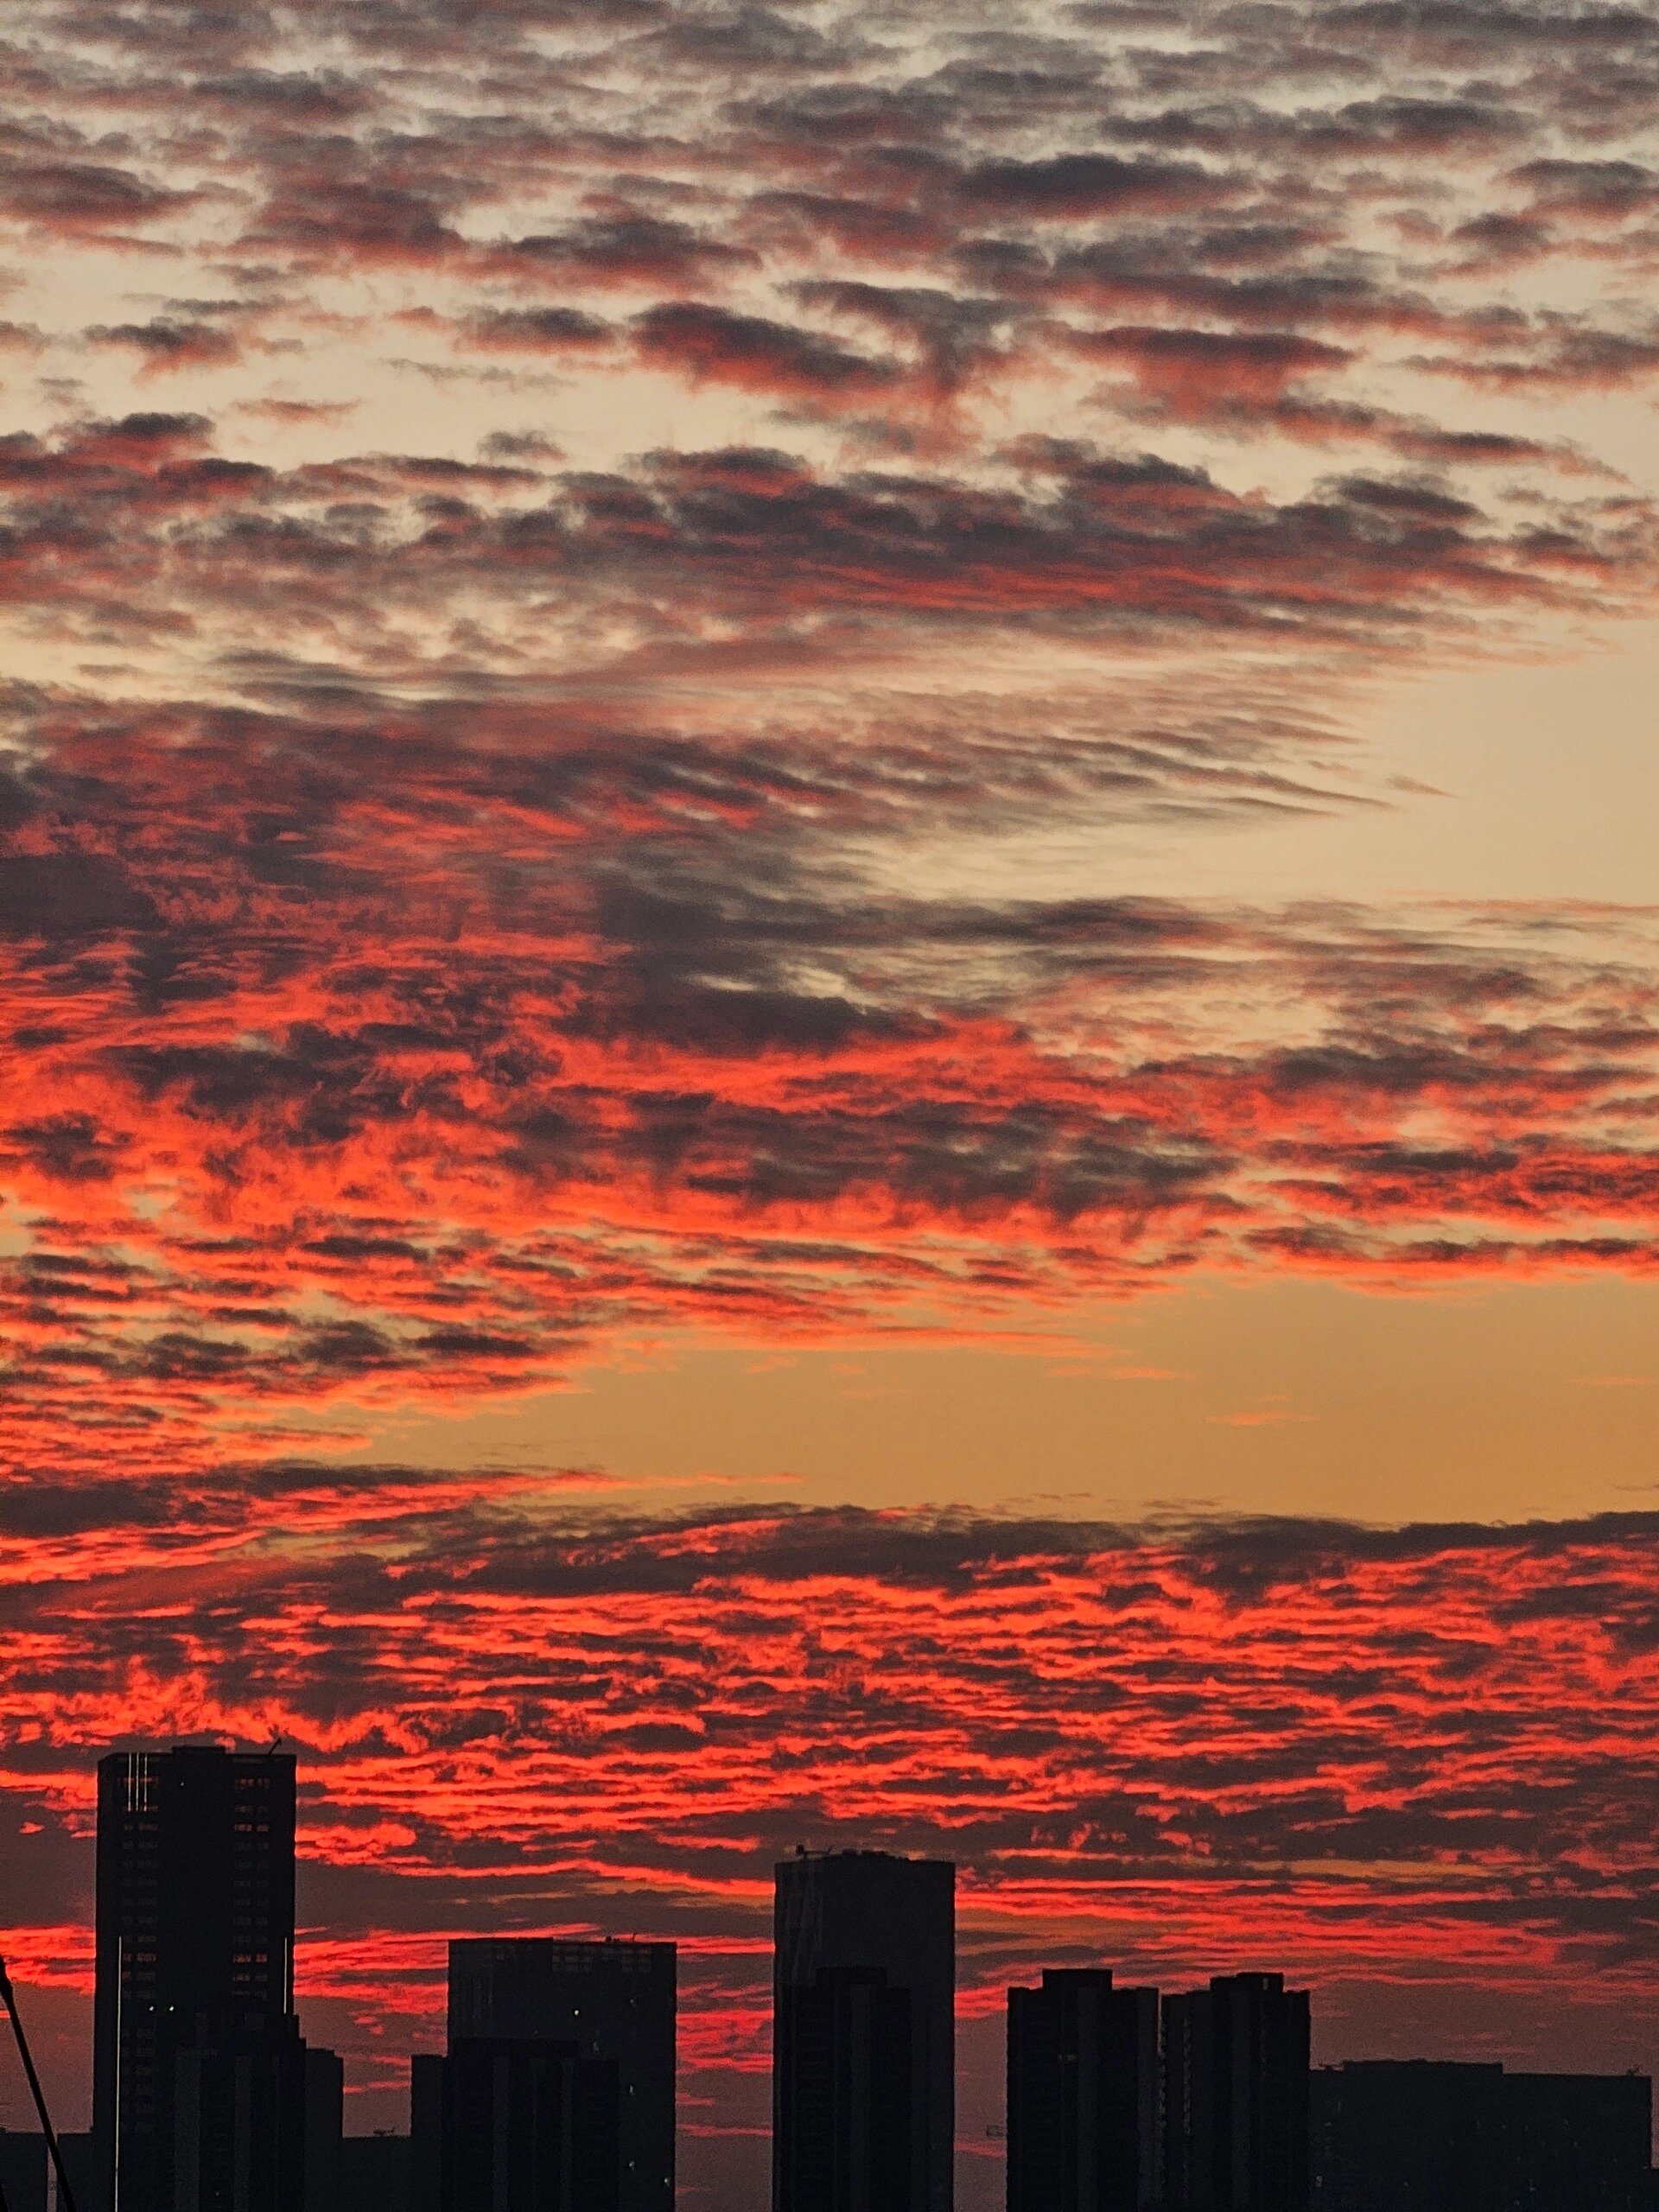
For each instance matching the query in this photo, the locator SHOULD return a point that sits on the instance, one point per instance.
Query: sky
(831, 987)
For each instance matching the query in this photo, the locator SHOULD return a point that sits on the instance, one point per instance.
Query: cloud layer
(1363, 1755)
(533, 541)
(448, 888)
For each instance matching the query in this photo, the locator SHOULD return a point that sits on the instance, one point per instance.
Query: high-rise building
(1405, 2133)
(614, 2003)
(1401, 2135)
(863, 2033)
(1236, 2068)
(1083, 2095)
(194, 1958)
(516, 2124)
(256, 2120)
(1578, 2139)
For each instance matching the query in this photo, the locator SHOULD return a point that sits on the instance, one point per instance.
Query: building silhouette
(558, 2079)
(863, 2033)
(197, 2058)
(516, 2124)
(26, 2174)
(556, 2092)
(1416, 2135)
(374, 2171)
(613, 1998)
(849, 2091)
(1084, 2103)
(22, 2171)
(1235, 2096)
(255, 2122)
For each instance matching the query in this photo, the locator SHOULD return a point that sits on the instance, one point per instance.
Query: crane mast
(9, 1997)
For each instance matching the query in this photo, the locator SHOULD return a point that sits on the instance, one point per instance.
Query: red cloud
(286, 1142)
(711, 346)
(1196, 369)
(1360, 1754)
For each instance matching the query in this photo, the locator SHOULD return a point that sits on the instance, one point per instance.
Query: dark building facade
(863, 2004)
(28, 2179)
(22, 2171)
(81, 2164)
(849, 2092)
(614, 2002)
(1419, 2135)
(1085, 2099)
(516, 2124)
(1235, 2096)
(374, 2173)
(256, 2120)
(194, 1970)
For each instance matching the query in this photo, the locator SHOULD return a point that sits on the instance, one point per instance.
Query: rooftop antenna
(9, 1997)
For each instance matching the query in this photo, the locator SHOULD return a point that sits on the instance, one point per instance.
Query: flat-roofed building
(195, 1929)
(863, 2033)
(1415, 2135)
(612, 2003)
(1084, 2107)
(1236, 2111)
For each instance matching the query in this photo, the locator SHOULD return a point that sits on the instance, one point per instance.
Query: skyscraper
(196, 1942)
(256, 2120)
(1083, 2095)
(612, 2002)
(1235, 2066)
(863, 2033)
(516, 2124)
(849, 2092)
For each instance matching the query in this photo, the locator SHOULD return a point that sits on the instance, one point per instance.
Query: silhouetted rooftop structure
(1083, 2105)
(1236, 2068)
(863, 2033)
(613, 1999)
(1417, 2135)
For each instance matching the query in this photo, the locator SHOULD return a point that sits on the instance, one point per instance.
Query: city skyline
(364, 1987)
(829, 996)
(558, 2086)
(1119, 2098)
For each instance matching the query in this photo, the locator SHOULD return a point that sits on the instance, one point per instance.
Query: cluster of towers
(1115, 2102)
(556, 2089)
(1119, 2098)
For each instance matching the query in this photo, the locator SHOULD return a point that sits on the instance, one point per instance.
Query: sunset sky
(829, 944)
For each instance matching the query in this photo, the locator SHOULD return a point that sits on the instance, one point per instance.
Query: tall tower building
(195, 1946)
(555, 2042)
(1083, 2095)
(515, 2124)
(1235, 2096)
(257, 2119)
(863, 2033)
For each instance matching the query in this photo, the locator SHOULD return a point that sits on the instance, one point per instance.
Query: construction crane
(9, 1997)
